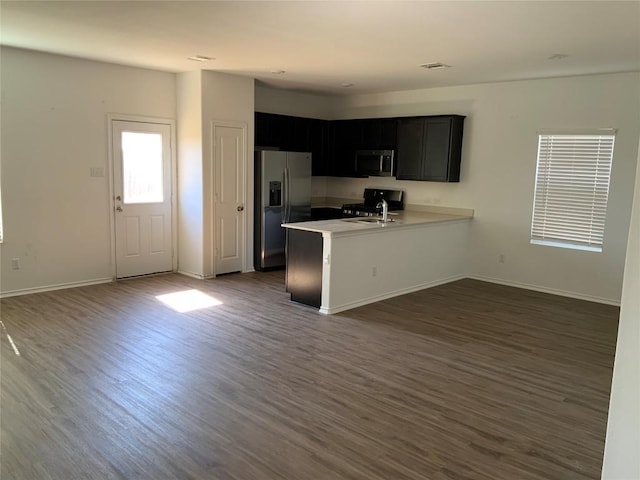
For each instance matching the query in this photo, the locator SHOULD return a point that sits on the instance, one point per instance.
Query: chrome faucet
(385, 210)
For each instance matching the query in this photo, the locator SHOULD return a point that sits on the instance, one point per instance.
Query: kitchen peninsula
(339, 264)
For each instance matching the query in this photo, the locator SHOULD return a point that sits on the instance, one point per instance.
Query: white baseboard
(49, 288)
(553, 291)
(197, 276)
(384, 296)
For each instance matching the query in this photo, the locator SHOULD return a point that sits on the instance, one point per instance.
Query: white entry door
(229, 197)
(142, 197)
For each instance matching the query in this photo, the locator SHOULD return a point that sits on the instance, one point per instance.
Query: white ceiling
(375, 45)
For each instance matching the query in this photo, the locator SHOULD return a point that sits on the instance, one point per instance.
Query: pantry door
(142, 197)
(229, 180)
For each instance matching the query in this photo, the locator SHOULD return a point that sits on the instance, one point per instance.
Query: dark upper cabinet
(296, 134)
(427, 148)
(344, 140)
(319, 145)
(410, 148)
(430, 148)
(348, 136)
(378, 133)
(369, 133)
(271, 130)
(262, 137)
(282, 131)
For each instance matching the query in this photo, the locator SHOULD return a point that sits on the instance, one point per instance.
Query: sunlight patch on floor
(13, 345)
(188, 300)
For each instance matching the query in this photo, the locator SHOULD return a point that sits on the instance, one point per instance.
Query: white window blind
(572, 189)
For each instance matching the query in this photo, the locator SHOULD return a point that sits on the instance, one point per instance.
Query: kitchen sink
(368, 220)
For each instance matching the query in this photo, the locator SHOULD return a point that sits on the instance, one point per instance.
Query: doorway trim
(111, 117)
(248, 186)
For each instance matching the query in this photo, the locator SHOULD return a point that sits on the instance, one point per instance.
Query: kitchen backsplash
(416, 193)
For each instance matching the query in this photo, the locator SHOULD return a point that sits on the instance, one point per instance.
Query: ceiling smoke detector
(346, 85)
(278, 72)
(200, 58)
(435, 65)
(558, 56)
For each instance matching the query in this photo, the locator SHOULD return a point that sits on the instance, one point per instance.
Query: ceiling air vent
(200, 58)
(435, 65)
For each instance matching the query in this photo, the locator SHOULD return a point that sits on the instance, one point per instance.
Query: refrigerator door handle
(283, 210)
(287, 194)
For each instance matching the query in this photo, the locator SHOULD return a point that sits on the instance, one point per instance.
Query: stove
(372, 197)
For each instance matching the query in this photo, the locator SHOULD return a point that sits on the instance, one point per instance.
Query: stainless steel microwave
(374, 163)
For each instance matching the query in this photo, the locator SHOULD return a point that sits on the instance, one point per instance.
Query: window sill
(572, 246)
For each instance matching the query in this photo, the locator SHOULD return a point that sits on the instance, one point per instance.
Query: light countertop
(401, 220)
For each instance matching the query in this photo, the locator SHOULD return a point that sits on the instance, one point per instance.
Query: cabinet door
(298, 134)
(370, 133)
(318, 146)
(378, 133)
(436, 155)
(388, 133)
(278, 130)
(345, 136)
(410, 148)
(262, 130)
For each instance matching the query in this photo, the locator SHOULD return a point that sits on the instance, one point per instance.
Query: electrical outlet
(501, 258)
(15, 264)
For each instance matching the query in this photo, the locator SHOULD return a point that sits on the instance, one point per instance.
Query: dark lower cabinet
(325, 213)
(304, 266)
(430, 148)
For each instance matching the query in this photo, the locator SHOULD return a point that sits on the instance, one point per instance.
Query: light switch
(97, 172)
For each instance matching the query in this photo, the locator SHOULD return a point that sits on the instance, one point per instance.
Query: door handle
(240, 208)
(118, 208)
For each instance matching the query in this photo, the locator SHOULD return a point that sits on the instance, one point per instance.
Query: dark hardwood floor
(464, 381)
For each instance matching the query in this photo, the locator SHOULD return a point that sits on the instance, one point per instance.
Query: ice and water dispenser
(275, 194)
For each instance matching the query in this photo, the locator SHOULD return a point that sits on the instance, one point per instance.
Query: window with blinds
(571, 190)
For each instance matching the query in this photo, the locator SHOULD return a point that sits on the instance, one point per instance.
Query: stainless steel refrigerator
(282, 195)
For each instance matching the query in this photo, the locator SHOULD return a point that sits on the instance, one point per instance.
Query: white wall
(190, 171)
(498, 170)
(405, 260)
(285, 102)
(622, 449)
(231, 99)
(54, 129)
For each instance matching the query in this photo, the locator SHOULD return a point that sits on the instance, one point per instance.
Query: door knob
(118, 208)
(240, 208)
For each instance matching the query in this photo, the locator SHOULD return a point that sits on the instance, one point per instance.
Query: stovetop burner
(360, 210)
(372, 197)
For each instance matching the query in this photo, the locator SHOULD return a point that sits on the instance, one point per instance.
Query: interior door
(142, 197)
(229, 197)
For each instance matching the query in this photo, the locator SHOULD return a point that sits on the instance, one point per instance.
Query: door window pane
(142, 167)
